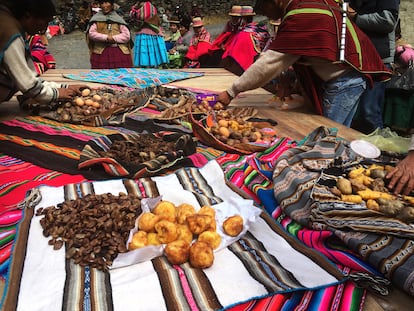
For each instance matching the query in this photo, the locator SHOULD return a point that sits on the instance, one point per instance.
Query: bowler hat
(236, 10)
(247, 10)
(197, 22)
(174, 20)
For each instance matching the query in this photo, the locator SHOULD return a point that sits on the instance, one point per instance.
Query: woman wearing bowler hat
(247, 44)
(199, 45)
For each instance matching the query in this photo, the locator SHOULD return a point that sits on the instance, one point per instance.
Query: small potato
(88, 102)
(344, 185)
(97, 97)
(79, 101)
(223, 122)
(224, 131)
(86, 92)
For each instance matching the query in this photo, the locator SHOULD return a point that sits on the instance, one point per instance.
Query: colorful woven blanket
(265, 261)
(58, 146)
(295, 174)
(136, 78)
(251, 174)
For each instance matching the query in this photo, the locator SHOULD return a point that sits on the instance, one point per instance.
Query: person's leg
(341, 97)
(370, 109)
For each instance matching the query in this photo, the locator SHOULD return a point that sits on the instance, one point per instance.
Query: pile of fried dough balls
(188, 235)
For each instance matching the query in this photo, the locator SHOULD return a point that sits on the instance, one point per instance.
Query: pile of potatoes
(368, 186)
(93, 102)
(234, 130)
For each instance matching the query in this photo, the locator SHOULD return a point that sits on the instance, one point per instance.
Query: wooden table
(295, 124)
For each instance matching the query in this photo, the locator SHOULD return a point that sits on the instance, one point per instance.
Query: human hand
(402, 176)
(110, 39)
(224, 98)
(351, 13)
(66, 94)
(78, 88)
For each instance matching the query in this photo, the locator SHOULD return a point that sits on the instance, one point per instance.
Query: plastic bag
(387, 140)
(404, 82)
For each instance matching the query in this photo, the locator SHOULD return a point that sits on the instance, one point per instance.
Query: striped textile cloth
(251, 174)
(58, 146)
(265, 261)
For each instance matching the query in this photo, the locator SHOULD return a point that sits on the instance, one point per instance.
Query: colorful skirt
(149, 51)
(112, 57)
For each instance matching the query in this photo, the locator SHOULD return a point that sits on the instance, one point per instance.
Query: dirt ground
(407, 24)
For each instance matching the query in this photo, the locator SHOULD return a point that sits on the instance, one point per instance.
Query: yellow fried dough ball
(233, 225)
(212, 238)
(201, 255)
(139, 239)
(184, 210)
(199, 223)
(207, 210)
(147, 221)
(152, 238)
(165, 210)
(177, 252)
(184, 233)
(166, 231)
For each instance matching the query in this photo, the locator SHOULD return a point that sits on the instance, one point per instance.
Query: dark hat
(174, 20)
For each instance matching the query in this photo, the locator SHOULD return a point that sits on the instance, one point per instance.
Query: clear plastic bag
(387, 140)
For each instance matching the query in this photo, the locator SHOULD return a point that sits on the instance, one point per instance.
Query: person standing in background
(378, 19)
(149, 49)
(109, 39)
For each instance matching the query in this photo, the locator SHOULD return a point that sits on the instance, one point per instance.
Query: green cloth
(399, 109)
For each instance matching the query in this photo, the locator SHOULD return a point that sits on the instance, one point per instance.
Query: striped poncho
(313, 29)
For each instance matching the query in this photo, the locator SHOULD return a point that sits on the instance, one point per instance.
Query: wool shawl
(313, 29)
(111, 17)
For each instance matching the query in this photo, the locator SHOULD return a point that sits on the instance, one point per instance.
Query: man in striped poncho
(309, 38)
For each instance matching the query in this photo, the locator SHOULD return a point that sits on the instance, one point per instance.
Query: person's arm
(96, 36)
(124, 36)
(269, 65)
(27, 81)
(402, 176)
(379, 22)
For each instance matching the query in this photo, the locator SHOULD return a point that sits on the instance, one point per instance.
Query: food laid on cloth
(97, 228)
(184, 234)
(233, 130)
(96, 107)
(137, 155)
(93, 229)
(367, 185)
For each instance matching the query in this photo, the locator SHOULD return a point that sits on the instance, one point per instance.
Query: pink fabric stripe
(49, 130)
(186, 288)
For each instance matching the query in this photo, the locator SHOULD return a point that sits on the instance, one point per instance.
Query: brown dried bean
(94, 229)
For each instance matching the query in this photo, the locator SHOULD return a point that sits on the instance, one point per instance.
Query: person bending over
(17, 71)
(333, 83)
